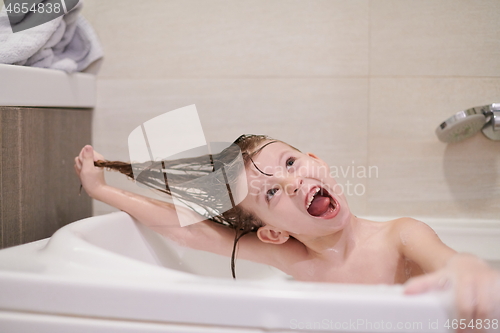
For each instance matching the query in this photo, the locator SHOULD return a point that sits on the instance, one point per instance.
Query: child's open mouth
(319, 203)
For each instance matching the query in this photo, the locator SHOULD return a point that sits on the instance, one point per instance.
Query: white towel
(67, 43)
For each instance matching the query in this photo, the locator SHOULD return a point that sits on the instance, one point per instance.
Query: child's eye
(290, 161)
(270, 193)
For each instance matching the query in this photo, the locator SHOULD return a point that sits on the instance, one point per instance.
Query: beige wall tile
(225, 38)
(325, 116)
(419, 175)
(435, 37)
(300, 71)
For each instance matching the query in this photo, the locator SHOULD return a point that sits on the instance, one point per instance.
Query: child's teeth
(312, 197)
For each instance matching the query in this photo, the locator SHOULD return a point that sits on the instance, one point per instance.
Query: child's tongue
(319, 205)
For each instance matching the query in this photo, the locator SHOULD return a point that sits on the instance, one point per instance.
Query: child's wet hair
(186, 169)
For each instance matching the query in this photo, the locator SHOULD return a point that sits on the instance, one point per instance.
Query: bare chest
(366, 265)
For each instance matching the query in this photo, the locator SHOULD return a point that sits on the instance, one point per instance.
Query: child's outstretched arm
(475, 284)
(150, 212)
(162, 217)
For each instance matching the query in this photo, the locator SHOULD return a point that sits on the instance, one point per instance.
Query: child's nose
(291, 184)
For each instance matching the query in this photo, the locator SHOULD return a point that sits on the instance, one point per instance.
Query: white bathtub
(111, 274)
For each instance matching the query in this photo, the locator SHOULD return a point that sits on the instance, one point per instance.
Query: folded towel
(67, 43)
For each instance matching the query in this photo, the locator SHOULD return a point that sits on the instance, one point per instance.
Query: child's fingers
(422, 284)
(95, 155)
(81, 153)
(87, 157)
(78, 165)
(465, 301)
(77, 171)
(91, 178)
(486, 297)
(98, 156)
(484, 300)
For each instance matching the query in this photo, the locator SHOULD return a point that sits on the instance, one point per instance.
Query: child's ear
(316, 158)
(269, 235)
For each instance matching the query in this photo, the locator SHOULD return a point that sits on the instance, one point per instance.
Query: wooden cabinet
(39, 190)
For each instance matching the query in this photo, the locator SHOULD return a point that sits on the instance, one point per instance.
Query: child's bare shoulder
(399, 225)
(407, 224)
(419, 243)
(415, 235)
(407, 229)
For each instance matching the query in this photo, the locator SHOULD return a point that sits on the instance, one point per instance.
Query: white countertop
(30, 86)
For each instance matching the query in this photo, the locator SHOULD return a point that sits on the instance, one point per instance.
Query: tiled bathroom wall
(361, 83)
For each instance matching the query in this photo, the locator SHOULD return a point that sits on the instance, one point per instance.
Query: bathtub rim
(191, 299)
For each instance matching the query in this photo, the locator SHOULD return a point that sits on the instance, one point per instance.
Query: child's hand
(476, 287)
(91, 177)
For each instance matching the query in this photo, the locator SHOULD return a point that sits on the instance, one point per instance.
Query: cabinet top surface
(40, 87)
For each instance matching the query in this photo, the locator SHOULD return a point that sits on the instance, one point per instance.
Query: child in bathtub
(296, 219)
